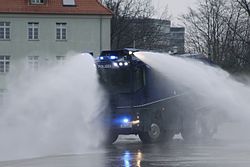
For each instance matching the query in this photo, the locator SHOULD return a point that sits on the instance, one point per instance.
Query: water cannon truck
(143, 102)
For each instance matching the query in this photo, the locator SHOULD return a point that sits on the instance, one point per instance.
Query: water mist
(214, 85)
(53, 111)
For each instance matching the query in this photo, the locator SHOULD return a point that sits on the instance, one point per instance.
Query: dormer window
(69, 3)
(37, 1)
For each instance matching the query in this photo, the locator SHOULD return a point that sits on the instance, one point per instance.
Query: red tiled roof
(82, 7)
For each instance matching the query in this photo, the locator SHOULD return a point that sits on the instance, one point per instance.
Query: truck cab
(131, 92)
(141, 100)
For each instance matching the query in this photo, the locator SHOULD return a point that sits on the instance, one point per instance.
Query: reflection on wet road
(178, 153)
(130, 152)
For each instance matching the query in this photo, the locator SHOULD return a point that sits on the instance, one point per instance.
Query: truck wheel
(199, 130)
(153, 135)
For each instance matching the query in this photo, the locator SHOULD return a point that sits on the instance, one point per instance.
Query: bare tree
(125, 14)
(245, 5)
(132, 26)
(220, 29)
(205, 27)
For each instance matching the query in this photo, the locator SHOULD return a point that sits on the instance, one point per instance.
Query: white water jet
(215, 86)
(53, 111)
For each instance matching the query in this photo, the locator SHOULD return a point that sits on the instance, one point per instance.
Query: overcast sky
(175, 7)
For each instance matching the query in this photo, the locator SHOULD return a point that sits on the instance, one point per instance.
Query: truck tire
(153, 135)
(192, 132)
(199, 130)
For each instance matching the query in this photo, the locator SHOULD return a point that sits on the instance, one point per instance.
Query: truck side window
(138, 79)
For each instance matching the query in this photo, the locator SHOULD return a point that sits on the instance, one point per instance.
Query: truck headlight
(115, 64)
(136, 122)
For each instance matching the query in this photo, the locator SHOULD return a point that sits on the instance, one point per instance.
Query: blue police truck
(145, 103)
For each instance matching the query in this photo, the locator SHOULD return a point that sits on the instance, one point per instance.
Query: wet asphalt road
(129, 151)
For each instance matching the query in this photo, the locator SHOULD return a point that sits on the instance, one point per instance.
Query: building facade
(177, 39)
(169, 38)
(35, 32)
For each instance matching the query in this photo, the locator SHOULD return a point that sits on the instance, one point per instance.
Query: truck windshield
(117, 80)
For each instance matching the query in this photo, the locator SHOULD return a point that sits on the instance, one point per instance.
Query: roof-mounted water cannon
(130, 53)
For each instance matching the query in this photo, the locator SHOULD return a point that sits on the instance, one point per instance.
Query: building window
(33, 30)
(61, 31)
(69, 3)
(37, 1)
(4, 64)
(4, 30)
(3, 93)
(60, 60)
(33, 63)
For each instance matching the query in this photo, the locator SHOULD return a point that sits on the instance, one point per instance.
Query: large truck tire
(155, 134)
(155, 131)
(199, 129)
(192, 132)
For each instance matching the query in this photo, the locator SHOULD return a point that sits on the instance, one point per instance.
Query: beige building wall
(84, 34)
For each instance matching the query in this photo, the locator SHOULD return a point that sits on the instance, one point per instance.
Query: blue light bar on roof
(113, 57)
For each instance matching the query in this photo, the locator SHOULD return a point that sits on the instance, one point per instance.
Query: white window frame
(37, 1)
(3, 93)
(69, 2)
(5, 26)
(60, 60)
(33, 63)
(33, 27)
(61, 31)
(4, 64)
